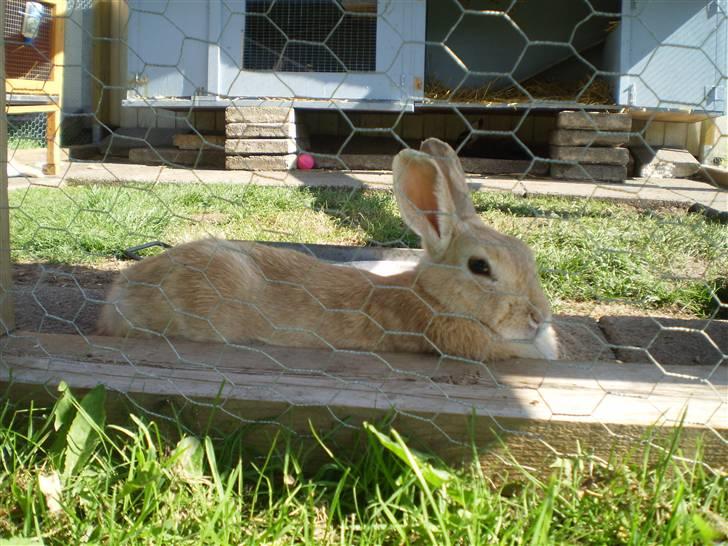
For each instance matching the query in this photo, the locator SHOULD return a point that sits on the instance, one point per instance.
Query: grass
(587, 250)
(24, 143)
(68, 477)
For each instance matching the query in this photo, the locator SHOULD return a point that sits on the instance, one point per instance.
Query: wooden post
(7, 310)
(53, 127)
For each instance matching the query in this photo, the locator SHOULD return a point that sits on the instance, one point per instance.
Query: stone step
(261, 130)
(591, 155)
(595, 173)
(259, 146)
(575, 137)
(258, 114)
(602, 121)
(177, 157)
(195, 142)
(260, 162)
(664, 163)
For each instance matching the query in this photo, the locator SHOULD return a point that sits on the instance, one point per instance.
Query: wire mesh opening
(311, 36)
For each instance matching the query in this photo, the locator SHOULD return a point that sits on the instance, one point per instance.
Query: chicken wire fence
(619, 320)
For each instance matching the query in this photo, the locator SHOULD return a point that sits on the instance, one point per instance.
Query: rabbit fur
(242, 292)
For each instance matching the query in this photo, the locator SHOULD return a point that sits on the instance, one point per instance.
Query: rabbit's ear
(424, 200)
(452, 169)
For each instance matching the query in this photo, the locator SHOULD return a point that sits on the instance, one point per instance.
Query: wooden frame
(538, 408)
(51, 88)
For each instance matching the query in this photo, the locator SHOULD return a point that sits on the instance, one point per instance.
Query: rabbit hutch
(250, 84)
(366, 76)
(33, 43)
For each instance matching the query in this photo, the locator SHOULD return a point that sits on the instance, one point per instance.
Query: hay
(596, 92)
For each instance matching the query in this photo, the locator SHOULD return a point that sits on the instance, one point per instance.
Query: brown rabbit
(475, 294)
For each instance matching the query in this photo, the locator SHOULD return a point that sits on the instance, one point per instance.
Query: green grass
(24, 143)
(587, 250)
(135, 485)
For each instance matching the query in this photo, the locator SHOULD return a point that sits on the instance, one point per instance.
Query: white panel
(168, 46)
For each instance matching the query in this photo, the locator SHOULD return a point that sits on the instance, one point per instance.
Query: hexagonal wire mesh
(278, 121)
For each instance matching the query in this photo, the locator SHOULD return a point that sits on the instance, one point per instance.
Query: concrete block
(665, 163)
(177, 157)
(574, 137)
(260, 162)
(195, 142)
(261, 130)
(602, 121)
(591, 155)
(597, 173)
(258, 114)
(259, 146)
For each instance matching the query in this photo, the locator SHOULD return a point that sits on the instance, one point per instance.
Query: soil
(58, 298)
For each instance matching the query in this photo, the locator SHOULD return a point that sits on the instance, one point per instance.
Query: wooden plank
(38, 87)
(671, 116)
(31, 108)
(540, 406)
(676, 135)
(53, 142)
(7, 309)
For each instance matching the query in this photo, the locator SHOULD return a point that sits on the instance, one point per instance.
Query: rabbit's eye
(479, 266)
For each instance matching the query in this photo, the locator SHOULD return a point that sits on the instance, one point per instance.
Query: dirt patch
(667, 340)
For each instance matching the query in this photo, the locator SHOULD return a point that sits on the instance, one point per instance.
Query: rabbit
(475, 294)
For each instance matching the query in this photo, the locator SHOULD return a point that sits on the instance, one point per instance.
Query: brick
(591, 155)
(606, 173)
(175, 156)
(194, 142)
(260, 130)
(260, 162)
(258, 114)
(665, 163)
(569, 137)
(259, 146)
(602, 121)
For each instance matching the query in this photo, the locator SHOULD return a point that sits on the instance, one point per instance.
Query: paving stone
(606, 173)
(603, 121)
(258, 114)
(259, 146)
(691, 344)
(665, 163)
(177, 157)
(471, 165)
(260, 130)
(195, 142)
(575, 137)
(260, 162)
(591, 155)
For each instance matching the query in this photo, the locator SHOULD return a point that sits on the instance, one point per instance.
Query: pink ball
(306, 162)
